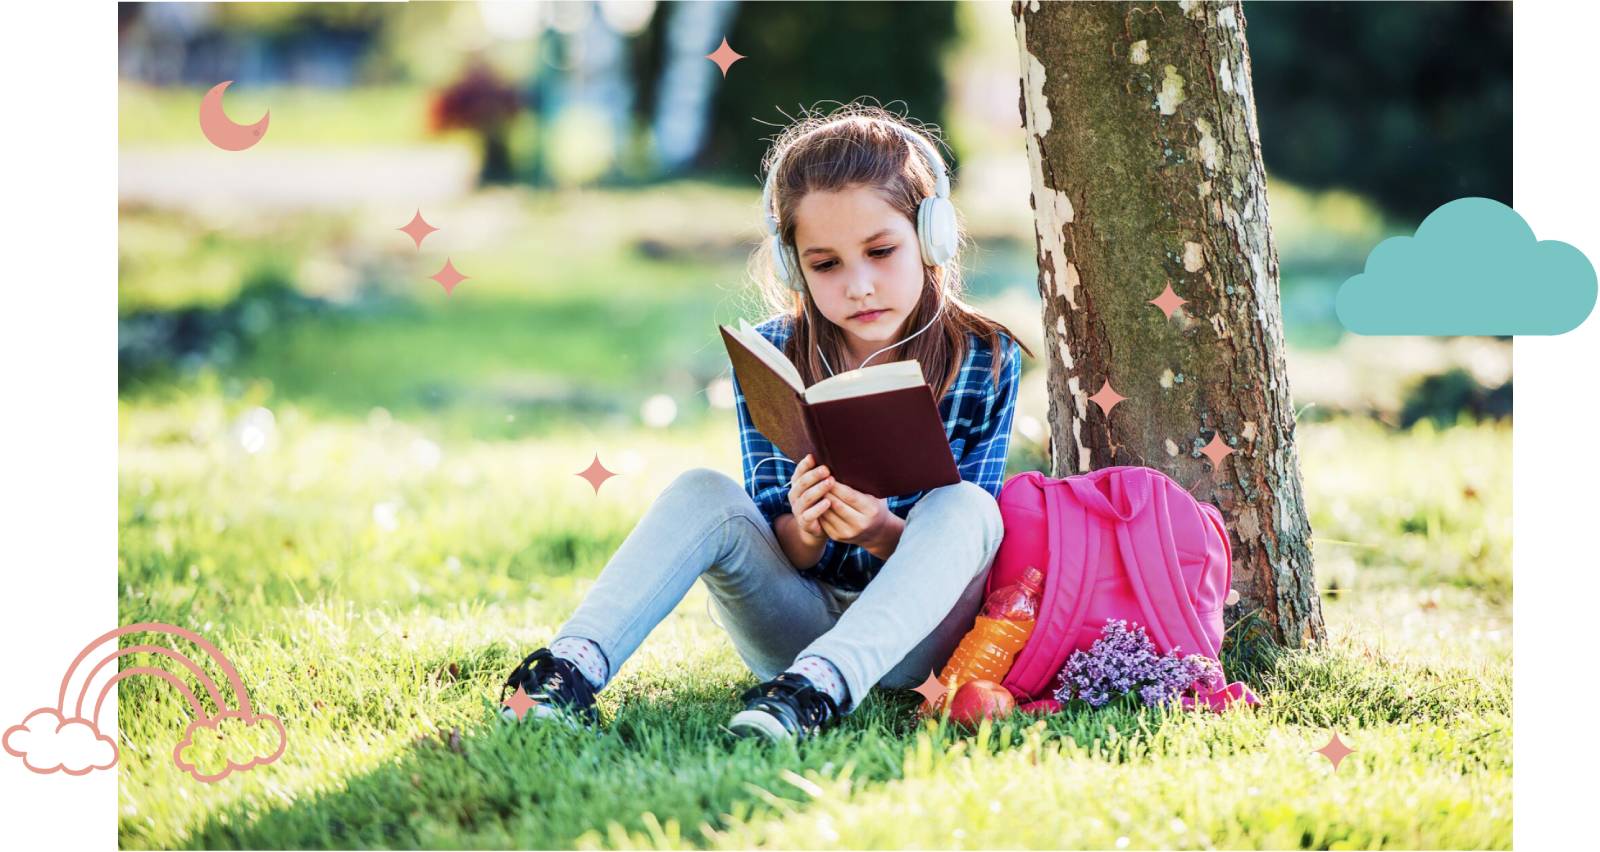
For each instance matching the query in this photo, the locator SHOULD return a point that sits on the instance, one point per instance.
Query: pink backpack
(1123, 542)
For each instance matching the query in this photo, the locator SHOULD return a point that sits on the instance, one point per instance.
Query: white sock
(825, 676)
(584, 654)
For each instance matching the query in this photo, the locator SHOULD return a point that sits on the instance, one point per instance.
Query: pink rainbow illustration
(63, 739)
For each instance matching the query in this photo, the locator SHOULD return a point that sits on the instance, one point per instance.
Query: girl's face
(859, 254)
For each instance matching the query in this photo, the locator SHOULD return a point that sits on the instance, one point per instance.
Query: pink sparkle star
(448, 276)
(1168, 301)
(1217, 450)
(520, 703)
(1107, 398)
(596, 473)
(417, 229)
(724, 56)
(933, 691)
(1335, 751)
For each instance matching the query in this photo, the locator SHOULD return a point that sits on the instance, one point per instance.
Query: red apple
(979, 698)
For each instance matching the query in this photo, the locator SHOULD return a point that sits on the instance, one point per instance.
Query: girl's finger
(800, 482)
(808, 517)
(846, 494)
(816, 510)
(815, 491)
(853, 524)
(856, 496)
(830, 527)
(849, 514)
(816, 524)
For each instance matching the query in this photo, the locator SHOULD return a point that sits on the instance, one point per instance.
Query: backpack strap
(1129, 501)
(1033, 671)
(1215, 516)
(1151, 557)
(1079, 584)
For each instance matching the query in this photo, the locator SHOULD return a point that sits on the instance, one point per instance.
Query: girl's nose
(860, 285)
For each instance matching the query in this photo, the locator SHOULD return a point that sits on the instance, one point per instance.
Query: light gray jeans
(894, 633)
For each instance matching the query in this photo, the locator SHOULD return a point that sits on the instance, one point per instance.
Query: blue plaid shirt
(977, 416)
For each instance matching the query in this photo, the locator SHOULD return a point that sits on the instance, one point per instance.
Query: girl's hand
(856, 517)
(808, 499)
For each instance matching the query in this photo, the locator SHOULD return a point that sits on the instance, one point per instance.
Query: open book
(877, 428)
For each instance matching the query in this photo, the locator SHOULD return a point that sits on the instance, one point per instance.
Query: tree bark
(1146, 173)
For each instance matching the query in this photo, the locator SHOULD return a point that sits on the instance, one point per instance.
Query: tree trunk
(1146, 174)
(495, 167)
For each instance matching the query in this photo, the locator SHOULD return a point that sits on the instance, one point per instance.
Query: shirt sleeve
(767, 482)
(984, 462)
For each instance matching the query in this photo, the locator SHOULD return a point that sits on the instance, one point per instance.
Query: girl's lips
(870, 317)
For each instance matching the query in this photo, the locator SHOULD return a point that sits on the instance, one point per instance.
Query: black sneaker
(554, 688)
(786, 708)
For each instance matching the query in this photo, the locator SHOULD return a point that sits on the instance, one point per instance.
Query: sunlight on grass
(1428, 509)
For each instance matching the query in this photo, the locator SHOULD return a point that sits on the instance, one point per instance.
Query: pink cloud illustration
(229, 742)
(48, 743)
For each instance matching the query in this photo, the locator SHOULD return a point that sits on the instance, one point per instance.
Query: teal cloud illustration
(1474, 267)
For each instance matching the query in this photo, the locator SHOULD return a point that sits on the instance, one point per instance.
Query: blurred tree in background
(482, 102)
(1407, 103)
(810, 52)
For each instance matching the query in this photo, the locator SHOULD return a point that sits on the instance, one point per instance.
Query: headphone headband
(941, 178)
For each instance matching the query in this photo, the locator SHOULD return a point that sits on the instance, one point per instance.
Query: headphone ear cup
(785, 265)
(925, 235)
(936, 230)
(797, 279)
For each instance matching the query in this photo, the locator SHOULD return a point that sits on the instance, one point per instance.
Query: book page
(868, 380)
(770, 355)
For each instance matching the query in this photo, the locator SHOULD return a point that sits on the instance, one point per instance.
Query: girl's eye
(879, 253)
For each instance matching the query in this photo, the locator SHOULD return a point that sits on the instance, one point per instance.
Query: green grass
(369, 640)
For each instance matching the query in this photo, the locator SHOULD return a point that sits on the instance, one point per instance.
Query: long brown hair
(856, 146)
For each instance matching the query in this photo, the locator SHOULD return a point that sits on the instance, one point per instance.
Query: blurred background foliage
(1412, 112)
(1371, 115)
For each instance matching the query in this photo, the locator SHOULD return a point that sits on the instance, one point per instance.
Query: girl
(824, 590)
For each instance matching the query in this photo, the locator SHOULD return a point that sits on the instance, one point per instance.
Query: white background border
(58, 429)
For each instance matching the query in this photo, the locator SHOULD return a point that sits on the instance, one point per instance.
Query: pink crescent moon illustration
(221, 130)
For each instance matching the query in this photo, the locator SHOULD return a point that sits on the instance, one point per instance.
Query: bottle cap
(1033, 577)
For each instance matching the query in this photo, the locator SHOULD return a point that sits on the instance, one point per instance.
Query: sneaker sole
(540, 711)
(748, 723)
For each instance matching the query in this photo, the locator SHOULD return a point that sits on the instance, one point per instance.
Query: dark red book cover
(884, 444)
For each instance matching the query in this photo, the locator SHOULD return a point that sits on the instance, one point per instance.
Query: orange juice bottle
(1001, 629)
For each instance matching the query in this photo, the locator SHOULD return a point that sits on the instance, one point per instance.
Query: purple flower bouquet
(1123, 661)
